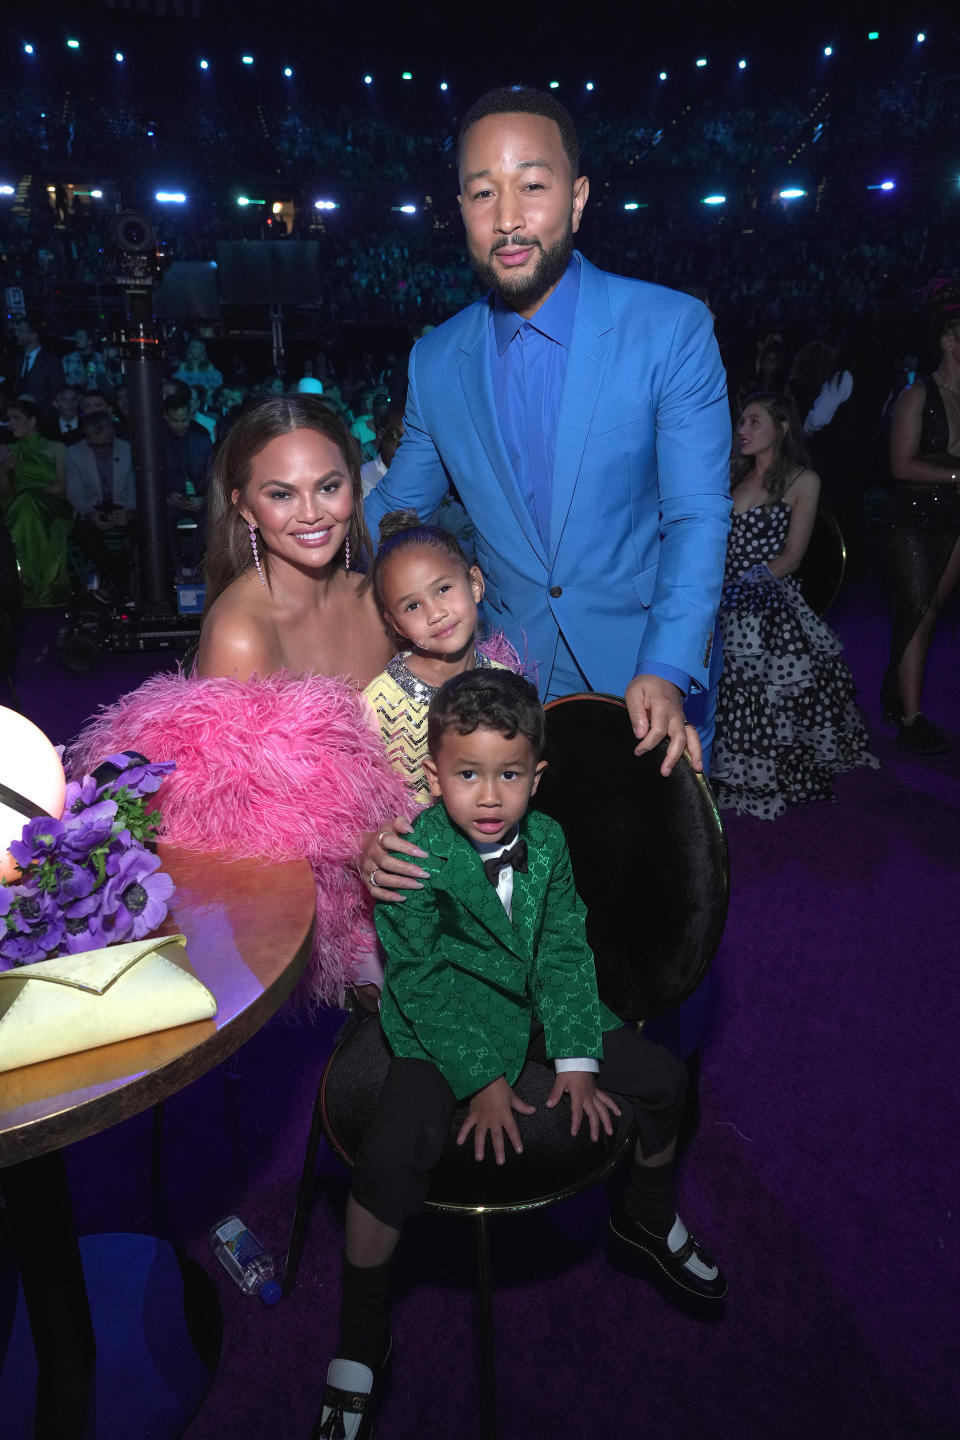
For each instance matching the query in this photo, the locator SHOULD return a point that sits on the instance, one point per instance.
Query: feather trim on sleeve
(282, 766)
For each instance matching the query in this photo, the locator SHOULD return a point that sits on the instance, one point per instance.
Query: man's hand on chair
(655, 709)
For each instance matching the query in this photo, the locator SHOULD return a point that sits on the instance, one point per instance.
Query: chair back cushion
(649, 855)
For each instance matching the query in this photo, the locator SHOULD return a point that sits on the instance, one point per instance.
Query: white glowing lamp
(32, 782)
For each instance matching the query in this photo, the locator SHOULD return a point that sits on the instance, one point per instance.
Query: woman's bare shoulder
(805, 483)
(238, 636)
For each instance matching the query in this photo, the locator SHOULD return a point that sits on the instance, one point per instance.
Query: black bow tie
(515, 856)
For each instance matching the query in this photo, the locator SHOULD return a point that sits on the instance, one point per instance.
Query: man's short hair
(176, 401)
(486, 700)
(524, 100)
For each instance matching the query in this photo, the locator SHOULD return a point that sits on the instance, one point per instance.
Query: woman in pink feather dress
(273, 752)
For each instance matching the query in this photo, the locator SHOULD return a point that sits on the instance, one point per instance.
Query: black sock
(364, 1334)
(649, 1198)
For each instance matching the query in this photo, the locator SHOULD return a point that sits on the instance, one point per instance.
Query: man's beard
(529, 288)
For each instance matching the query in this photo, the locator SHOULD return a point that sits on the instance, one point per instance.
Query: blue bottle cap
(270, 1292)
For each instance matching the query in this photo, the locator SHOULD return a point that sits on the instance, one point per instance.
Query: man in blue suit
(582, 418)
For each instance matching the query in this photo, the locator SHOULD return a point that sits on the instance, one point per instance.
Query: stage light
(631, 205)
(741, 64)
(73, 44)
(873, 35)
(701, 64)
(288, 72)
(247, 59)
(204, 65)
(96, 194)
(443, 85)
(888, 185)
(714, 200)
(119, 57)
(170, 197)
(792, 194)
(408, 209)
(663, 74)
(242, 200)
(554, 84)
(368, 79)
(7, 190)
(407, 75)
(589, 85)
(920, 37)
(326, 205)
(28, 49)
(828, 51)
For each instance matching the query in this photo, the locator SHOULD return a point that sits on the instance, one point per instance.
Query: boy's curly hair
(487, 700)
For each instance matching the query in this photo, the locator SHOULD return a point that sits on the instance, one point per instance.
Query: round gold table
(249, 926)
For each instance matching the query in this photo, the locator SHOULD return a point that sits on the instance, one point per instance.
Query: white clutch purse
(57, 1007)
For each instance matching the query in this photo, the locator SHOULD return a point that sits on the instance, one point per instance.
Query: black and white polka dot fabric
(787, 721)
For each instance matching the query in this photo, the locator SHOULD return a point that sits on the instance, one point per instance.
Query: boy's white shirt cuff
(577, 1064)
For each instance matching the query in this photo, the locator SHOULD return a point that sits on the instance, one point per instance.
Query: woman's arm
(905, 432)
(802, 497)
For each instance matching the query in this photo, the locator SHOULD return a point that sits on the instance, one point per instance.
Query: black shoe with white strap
(679, 1256)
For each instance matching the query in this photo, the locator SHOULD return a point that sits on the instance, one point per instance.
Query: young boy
(488, 965)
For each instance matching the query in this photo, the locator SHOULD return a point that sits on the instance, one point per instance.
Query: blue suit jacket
(641, 495)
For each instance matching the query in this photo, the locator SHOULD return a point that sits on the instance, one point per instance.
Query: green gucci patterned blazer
(463, 981)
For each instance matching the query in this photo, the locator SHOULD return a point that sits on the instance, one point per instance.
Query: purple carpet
(824, 1176)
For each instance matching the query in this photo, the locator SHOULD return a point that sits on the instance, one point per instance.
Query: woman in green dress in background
(36, 511)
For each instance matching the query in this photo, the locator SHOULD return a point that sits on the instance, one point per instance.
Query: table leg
(45, 1238)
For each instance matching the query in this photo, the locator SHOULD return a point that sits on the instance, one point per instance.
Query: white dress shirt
(505, 892)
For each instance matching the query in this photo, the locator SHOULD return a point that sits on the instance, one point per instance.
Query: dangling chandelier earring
(253, 546)
(346, 553)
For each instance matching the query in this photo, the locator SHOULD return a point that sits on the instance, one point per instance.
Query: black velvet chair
(650, 860)
(823, 567)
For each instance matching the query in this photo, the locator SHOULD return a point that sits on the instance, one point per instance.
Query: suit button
(556, 591)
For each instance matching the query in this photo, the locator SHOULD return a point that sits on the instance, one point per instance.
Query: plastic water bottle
(244, 1259)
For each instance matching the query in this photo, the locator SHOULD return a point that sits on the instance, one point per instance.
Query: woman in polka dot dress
(787, 721)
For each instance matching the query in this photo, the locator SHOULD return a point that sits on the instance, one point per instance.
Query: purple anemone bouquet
(89, 878)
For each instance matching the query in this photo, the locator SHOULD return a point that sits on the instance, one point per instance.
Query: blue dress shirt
(528, 362)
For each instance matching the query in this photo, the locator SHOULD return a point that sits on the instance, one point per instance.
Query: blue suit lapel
(589, 353)
(478, 394)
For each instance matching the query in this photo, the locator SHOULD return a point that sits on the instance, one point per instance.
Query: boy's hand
(585, 1099)
(491, 1113)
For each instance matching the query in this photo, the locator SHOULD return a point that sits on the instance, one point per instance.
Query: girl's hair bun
(396, 521)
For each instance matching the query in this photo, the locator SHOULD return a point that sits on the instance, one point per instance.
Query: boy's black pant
(416, 1108)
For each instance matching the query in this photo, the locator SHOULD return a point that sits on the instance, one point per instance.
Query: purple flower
(6, 900)
(136, 896)
(39, 937)
(87, 829)
(20, 950)
(74, 882)
(79, 794)
(138, 780)
(41, 837)
(84, 934)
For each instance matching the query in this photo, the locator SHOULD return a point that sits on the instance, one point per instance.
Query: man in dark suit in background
(39, 374)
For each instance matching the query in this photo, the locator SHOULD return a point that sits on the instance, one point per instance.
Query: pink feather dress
(280, 767)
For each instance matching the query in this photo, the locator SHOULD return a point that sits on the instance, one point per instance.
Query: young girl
(428, 593)
(786, 717)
